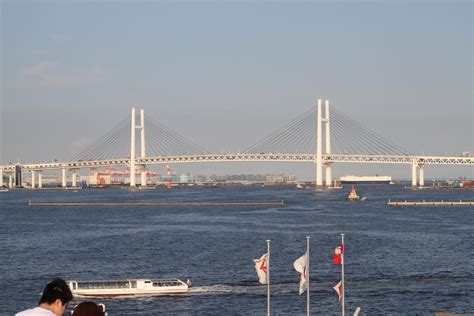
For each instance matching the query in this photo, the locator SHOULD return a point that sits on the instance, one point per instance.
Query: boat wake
(226, 289)
(241, 289)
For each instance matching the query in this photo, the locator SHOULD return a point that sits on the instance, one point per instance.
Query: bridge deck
(380, 159)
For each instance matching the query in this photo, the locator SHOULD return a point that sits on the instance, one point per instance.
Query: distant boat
(353, 195)
(4, 190)
(132, 287)
(365, 179)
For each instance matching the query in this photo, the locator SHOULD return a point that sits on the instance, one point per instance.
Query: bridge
(300, 140)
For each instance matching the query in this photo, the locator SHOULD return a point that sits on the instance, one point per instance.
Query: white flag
(338, 289)
(300, 266)
(261, 268)
(357, 311)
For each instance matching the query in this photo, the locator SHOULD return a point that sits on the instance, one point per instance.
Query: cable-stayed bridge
(300, 140)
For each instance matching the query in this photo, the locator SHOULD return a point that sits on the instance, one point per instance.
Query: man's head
(89, 309)
(56, 296)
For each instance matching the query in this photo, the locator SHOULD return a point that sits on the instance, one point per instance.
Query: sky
(226, 74)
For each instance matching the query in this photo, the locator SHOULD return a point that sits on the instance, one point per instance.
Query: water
(399, 260)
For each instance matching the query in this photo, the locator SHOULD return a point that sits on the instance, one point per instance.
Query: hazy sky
(226, 74)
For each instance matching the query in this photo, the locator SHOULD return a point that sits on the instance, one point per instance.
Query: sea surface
(399, 260)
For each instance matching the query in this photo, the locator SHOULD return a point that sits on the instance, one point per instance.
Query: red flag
(338, 252)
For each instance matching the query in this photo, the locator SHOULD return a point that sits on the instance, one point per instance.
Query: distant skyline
(224, 75)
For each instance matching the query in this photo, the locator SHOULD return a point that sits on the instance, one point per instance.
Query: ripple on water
(393, 255)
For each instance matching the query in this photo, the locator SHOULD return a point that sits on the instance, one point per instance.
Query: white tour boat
(135, 287)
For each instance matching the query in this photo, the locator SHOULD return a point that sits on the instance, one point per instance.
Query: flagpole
(307, 276)
(342, 276)
(268, 277)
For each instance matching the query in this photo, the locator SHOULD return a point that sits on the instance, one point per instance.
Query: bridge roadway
(418, 160)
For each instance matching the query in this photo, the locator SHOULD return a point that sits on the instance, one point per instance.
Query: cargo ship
(366, 179)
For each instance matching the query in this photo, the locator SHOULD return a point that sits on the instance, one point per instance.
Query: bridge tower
(132, 148)
(319, 145)
(142, 148)
(328, 147)
(319, 148)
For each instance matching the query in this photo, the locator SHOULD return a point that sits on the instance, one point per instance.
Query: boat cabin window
(103, 285)
(166, 283)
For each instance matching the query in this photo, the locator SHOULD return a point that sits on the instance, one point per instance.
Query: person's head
(56, 296)
(89, 309)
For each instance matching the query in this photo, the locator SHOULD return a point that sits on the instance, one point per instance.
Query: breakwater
(279, 203)
(430, 203)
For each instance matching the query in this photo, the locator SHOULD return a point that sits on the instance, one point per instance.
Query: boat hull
(364, 182)
(353, 199)
(130, 294)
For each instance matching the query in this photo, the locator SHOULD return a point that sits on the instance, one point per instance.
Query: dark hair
(88, 309)
(56, 289)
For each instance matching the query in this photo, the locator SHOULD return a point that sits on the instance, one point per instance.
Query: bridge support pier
(18, 175)
(74, 178)
(33, 175)
(143, 176)
(413, 173)
(328, 175)
(10, 181)
(421, 183)
(40, 179)
(63, 177)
